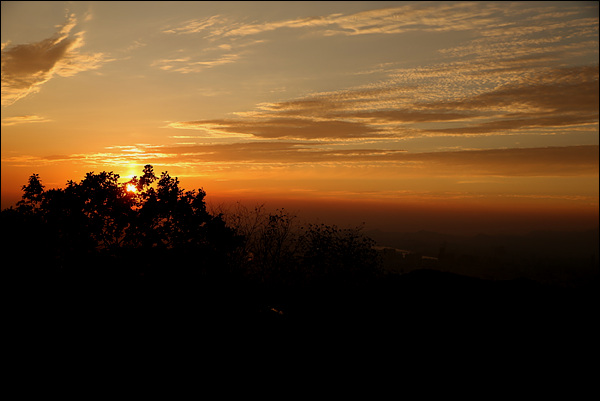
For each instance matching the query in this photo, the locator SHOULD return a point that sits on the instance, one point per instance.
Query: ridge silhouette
(96, 252)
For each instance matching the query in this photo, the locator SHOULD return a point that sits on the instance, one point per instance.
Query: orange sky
(448, 116)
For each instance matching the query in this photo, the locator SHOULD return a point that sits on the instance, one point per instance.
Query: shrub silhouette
(280, 251)
(98, 232)
(343, 255)
(158, 252)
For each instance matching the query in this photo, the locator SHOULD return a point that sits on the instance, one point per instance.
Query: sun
(131, 188)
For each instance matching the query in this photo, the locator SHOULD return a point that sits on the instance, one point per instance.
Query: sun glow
(131, 188)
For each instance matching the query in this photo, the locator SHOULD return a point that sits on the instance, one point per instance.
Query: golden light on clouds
(26, 67)
(435, 102)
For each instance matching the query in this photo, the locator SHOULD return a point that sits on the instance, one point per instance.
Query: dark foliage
(161, 245)
(98, 219)
(96, 258)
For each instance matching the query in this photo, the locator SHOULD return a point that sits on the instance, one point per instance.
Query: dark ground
(421, 301)
(479, 336)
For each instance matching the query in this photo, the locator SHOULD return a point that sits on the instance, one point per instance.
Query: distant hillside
(565, 258)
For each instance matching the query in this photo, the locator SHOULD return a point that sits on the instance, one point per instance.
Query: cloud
(506, 79)
(7, 121)
(207, 57)
(487, 18)
(289, 128)
(569, 89)
(552, 98)
(393, 20)
(363, 98)
(252, 29)
(501, 40)
(425, 17)
(26, 67)
(250, 156)
(547, 161)
(186, 65)
(556, 98)
(198, 25)
(218, 26)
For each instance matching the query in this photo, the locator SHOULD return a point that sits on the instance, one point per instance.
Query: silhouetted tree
(32, 192)
(98, 218)
(97, 234)
(334, 255)
(280, 251)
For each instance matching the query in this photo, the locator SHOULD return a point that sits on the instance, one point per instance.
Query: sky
(448, 116)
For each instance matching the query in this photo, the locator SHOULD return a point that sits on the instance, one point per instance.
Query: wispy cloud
(501, 40)
(26, 67)
(231, 33)
(288, 128)
(520, 68)
(556, 98)
(188, 64)
(393, 20)
(249, 156)
(547, 161)
(215, 22)
(488, 18)
(7, 121)
(553, 98)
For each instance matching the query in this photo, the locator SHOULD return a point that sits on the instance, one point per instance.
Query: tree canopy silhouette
(101, 228)
(98, 245)
(97, 224)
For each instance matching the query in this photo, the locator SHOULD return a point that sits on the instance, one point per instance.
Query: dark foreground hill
(549, 257)
(428, 322)
(419, 301)
(104, 273)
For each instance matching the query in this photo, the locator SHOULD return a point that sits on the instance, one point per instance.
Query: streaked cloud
(188, 64)
(553, 98)
(8, 121)
(200, 58)
(26, 67)
(548, 161)
(515, 162)
(392, 20)
(519, 69)
(488, 18)
(450, 99)
(556, 98)
(199, 25)
(288, 128)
